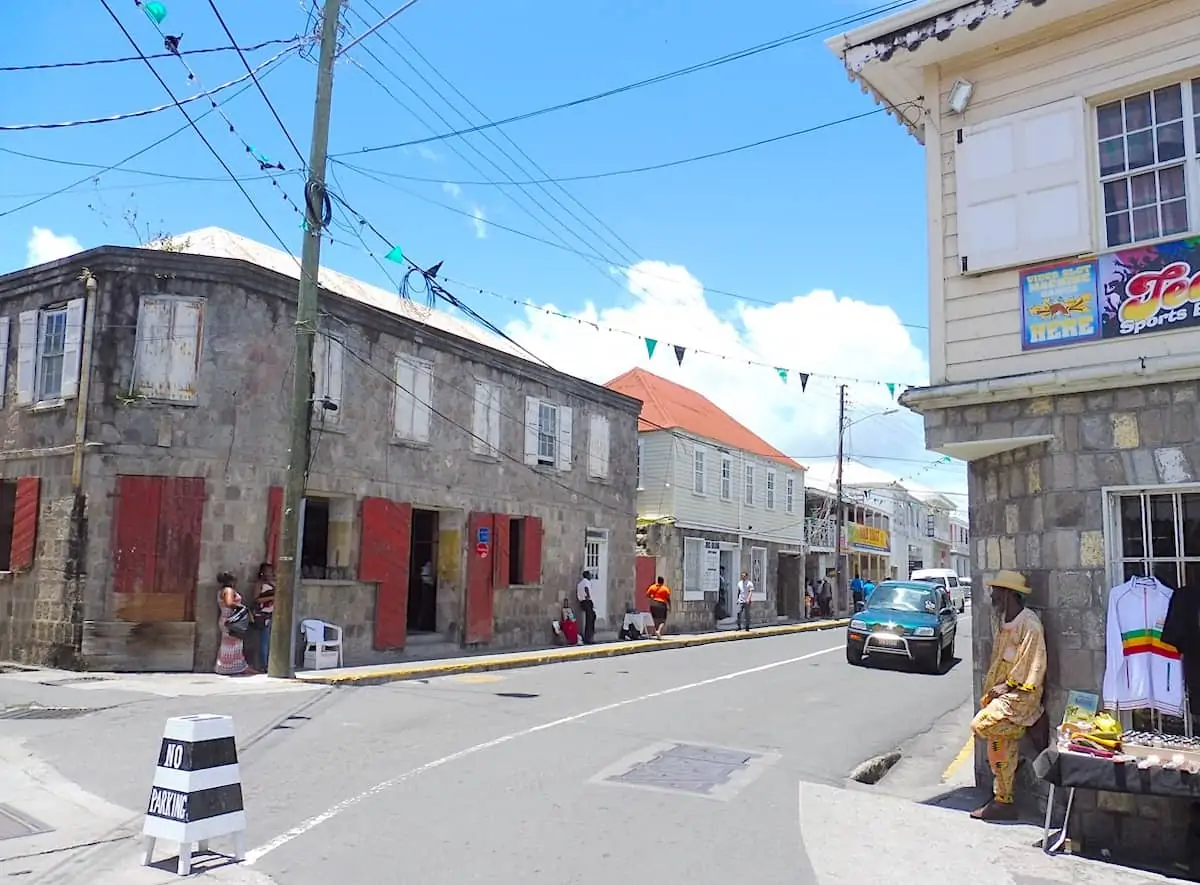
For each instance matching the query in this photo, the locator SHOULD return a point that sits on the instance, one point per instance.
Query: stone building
(714, 500)
(144, 416)
(1063, 184)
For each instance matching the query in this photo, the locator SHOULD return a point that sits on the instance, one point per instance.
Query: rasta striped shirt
(1141, 671)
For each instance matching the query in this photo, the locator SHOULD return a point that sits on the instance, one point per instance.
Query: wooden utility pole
(282, 659)
(841, 512)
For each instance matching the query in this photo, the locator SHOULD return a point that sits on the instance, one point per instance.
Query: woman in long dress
(231, 657)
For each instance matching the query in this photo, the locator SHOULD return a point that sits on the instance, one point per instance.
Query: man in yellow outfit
(1012, 689)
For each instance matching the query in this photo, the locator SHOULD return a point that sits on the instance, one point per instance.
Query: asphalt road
(509, 777)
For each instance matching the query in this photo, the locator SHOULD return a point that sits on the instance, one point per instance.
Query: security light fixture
(960, 95)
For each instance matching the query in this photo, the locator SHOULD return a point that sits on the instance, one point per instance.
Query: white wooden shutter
(72, 344)
(328, 365)
(187, 319)
(479, 418)
(405, 384)
(423, 407)
(564, 438)
(27, 347)
(493, 427)
(1023, 187)
(598, 447)
(152, 348)
(4, 324)
(532, 408)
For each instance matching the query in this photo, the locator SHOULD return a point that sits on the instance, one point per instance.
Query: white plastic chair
(322, 644)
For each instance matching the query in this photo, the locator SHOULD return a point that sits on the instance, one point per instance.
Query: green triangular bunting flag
(679, 352)
(891, 389)
(803, 381)
(396, 254)
(651, 343)
(782, 375)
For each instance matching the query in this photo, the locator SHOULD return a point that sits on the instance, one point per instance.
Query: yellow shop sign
(869, 536)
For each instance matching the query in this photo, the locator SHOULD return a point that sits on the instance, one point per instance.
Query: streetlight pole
(841, 512)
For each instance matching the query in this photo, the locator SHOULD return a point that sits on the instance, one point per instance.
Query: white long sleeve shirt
(1141, 671)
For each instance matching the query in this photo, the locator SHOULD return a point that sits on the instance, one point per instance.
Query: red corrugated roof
(670, 406)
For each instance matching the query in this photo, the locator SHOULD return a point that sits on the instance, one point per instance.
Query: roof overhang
(888, 57)
(985, 448)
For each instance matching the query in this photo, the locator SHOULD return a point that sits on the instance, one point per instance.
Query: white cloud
(427, 154)
(480, 221)
(45, 245)
(452, 189)
(818, 333)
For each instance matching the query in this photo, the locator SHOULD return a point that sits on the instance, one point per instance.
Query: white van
(948, 579)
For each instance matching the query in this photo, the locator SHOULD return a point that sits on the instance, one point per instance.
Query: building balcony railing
(819, 533)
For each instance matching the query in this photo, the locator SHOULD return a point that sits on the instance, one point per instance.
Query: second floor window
(698, 471)
(790, 495)
(749, 490)
(726, 478)
(770, 489)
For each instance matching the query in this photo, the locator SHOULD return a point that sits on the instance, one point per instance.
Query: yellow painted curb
(431, 669)
(967, 751)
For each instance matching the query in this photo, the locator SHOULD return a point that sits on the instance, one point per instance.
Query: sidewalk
(381, 673)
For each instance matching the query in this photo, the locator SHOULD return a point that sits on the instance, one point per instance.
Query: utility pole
(841, 512)
(282, 659)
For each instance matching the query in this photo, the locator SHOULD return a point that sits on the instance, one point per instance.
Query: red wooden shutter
(384, 551)
(499, 551)
(531, 551)
(25, 523)
(180, 523)
(480, 600)
(274, 523)
(135, 533)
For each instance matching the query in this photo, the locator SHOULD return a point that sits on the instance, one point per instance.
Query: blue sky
(840, 210)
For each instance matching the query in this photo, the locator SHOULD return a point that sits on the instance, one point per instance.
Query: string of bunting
(156, 12)
(894, 388)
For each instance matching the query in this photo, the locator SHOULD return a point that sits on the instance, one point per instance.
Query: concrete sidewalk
(381, 673)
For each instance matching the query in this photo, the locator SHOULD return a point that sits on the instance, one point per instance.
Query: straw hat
(1014, 581)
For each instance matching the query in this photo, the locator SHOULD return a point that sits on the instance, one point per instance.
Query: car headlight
(858, 625)
(923, 631)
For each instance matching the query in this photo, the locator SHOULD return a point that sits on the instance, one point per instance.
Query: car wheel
(853, 657)
(936, 666)
(962, 606)
(950, 656)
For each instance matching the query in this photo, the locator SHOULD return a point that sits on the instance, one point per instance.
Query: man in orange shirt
(660, 599)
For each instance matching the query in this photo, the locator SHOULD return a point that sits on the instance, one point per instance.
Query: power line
(837, 24)
(52, 66)
(251, 72)
(669, 164)
(194, 126)
(114, 166)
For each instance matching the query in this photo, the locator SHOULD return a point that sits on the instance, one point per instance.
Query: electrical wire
(145, 112)
(837, 24)
(199, 133)
(53, 66)
(171, 178)
(669, 164)
(115, 166)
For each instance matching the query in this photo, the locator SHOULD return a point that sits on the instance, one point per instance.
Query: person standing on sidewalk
(745, 590)
(1012, 690)
(660, 601)
(264, 610)
(584, 591)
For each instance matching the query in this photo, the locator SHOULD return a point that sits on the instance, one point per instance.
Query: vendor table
(1062, 769)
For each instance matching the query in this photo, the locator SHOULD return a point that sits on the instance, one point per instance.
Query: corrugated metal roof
(217, 242)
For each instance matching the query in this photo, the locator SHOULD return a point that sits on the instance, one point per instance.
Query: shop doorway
(729, 576)
(423, 572)
(595, 563)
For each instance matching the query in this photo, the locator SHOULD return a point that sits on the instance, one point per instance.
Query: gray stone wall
(1040, 510)
(235, 434)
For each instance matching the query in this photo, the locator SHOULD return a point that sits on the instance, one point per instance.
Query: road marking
(312, 823)
(967, 751)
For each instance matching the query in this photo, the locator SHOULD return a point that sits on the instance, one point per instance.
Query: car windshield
(900, 597)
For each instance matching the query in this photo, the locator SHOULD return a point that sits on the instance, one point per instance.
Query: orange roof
(670, 406)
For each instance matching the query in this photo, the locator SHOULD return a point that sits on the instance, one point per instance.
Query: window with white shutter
(49, 347)
(565, 446)
(1023, 188)
(485, 420)
(166, 361)
(328, 360)
(4, 332)
(726, 478)
(698, 471)
(548, 440)
(414, 399)
(749, 486)
(770, 489)
(598, 447)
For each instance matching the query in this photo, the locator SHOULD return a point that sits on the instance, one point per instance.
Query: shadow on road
(904, 666)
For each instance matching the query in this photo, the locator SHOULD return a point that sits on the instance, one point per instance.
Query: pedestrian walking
(588, 607)
(745, 589)
(660, 601)
(825, 598)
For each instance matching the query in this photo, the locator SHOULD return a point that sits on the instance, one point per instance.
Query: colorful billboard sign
(868, 536)
(1059, 305)
(1151, 289)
